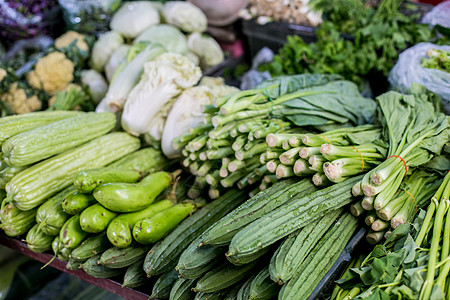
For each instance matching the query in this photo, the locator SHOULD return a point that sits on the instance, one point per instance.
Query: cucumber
(152, 229)
(130, 197)
(120, 258)
(262, 287)
(261, 204)
(35, 184)
(74, 265)
(223, 277)
(86, 181)
(50, 215)
(76, 202)
(212, 296)
(294, 215)
(7, 174)
(37, 241)
(93, 245)
(164, 255)
(57, 137)
(195, 261)
(232, 292)
(134, 276)
(13, 125)
(96, 218)
(182, 290)
(244, 291)
(119, 230)
(93, 268)
(321, 259)
(296, 247)
(163, 285)
(239, 259)
(15, 222)
(71, 234)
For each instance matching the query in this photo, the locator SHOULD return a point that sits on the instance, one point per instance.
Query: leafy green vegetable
(437, 59)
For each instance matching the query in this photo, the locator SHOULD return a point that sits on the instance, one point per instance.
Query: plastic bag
(439, 15)
(89, 16)
(408, 70)
(253, 77)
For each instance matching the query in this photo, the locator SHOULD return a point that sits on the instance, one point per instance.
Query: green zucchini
(134, 276)
(224, 276)
(244, 291)
(50, 215)
(232, 292)
(12, 125)
(219, 295)
(120, 258)
(261, 204)
(164, 255)
(15, 222)
(33, 185)
(195, 261)
(7, 174)
(239, 259)
(163, 285)
(130, 197)
(152, 229)
(290, 217)
(320, 259)
(182, 290)
(262, 287)
(93, 268)
(71, 234)
(86, 181)
(76, 202)
(91, 246)
(147, 160)
(37, 144)
(74, 265)
(37, 241)
(96, 218)
(296, 247)
(119, 230)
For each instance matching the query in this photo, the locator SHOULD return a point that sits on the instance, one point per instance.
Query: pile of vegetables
(357, 41)
(231, 147)
(413, 261)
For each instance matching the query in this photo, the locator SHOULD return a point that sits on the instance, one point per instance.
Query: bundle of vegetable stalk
(413, 262)
(416, 131)
(228, 152)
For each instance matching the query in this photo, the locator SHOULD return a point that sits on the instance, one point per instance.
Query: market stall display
(122, 163)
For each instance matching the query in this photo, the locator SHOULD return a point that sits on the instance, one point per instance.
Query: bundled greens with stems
(416, 131)
(413, 262)
(233, 150)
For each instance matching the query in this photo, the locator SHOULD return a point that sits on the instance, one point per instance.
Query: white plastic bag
(408, 70)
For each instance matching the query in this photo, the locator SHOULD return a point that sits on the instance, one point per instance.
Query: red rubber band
(404, 162)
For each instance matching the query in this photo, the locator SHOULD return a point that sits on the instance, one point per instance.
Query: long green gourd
(164, 255)
(290, 217)
(40, 143)
(34, 185)
(264, 202)
(12, 125)
(320, 260)
(296, 247)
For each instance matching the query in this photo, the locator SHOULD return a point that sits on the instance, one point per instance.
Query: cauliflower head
(52, 73)
(18, 100)
(67, 38)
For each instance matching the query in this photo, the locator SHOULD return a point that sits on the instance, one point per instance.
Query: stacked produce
(227, 152)
(416, 257)
(416, 131)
